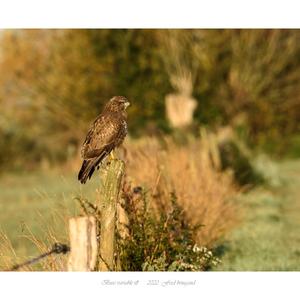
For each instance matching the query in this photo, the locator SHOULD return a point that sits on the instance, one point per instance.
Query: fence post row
(85, 249)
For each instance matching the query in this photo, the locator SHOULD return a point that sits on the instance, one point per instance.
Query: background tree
(53, 82)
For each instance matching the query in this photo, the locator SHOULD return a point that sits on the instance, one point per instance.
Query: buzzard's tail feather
(88, 167)
(87, 170)
(82, 175)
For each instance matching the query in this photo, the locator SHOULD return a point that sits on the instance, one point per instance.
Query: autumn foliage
(54, 82)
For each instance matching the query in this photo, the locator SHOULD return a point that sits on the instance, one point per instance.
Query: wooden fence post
(108, 207)
(83, 242)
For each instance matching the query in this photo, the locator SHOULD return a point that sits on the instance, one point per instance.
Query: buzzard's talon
(112, 156)
(106, 166)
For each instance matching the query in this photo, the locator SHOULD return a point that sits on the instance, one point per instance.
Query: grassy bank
(269, 238)
(180, 191)
(34, 210)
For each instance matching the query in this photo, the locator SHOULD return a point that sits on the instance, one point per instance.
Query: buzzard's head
(117, 104)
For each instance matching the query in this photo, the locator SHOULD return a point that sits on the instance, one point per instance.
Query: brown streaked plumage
(106, 133)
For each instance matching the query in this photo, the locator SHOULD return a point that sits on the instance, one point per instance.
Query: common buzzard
(106, 133)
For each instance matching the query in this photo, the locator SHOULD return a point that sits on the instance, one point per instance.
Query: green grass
(269, 237)
(38, 203)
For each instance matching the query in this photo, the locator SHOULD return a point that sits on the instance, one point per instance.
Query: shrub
(159, 242)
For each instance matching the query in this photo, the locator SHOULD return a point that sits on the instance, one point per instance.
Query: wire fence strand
(57, 248)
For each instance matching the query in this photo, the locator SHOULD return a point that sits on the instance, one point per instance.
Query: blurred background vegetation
(54, 82)
(233, 167)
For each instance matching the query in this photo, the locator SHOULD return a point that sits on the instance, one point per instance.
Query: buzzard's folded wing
(102, 138)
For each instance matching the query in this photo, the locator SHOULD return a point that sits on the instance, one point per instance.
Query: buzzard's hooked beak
(127, 104)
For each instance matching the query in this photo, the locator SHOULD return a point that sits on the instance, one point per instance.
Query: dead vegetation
(204, 193)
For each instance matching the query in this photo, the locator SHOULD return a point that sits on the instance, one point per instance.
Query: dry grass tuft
(9, 256)
(204, 193)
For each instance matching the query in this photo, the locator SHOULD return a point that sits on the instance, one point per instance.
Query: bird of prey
(106, 133)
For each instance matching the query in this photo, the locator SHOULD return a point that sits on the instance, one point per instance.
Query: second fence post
(83, 242)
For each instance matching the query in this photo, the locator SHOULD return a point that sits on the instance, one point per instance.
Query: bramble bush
(160, 242)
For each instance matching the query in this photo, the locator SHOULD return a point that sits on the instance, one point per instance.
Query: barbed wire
(57, 248)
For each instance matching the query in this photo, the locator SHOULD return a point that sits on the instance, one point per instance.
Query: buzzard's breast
(122, 133)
